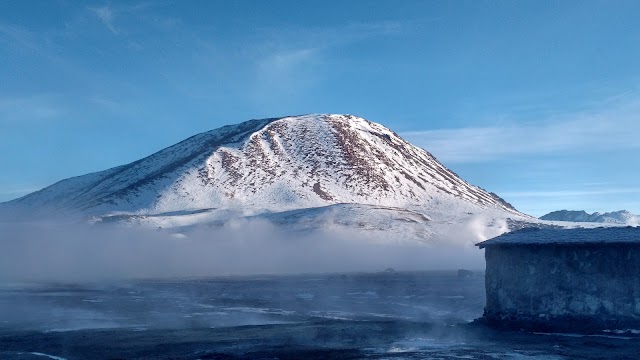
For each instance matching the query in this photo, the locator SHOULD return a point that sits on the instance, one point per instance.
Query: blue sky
(538, 101)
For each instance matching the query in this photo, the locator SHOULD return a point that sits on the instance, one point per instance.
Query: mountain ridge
(615, 217)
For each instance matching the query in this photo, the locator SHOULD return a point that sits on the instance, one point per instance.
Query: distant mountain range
(616, 217)
(297, 169)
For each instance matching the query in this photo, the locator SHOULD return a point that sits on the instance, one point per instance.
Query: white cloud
(106, 16)
(611, 125)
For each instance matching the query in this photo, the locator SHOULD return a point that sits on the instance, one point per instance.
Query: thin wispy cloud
(23, 39)
(106, 103)
(611, 125)
(112, 16)
(17, 109)
(283, 61)
(8, 193)
(291, 43)
(570, 193)
(17, 36)
(19, 192)
(339, 35)
(287, 70)
(93, 86)
(46, 45)
(106, 15)
(290, 60)
(328, 36)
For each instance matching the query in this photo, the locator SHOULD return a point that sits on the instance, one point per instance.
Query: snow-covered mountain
(271, 166)
(616, 217)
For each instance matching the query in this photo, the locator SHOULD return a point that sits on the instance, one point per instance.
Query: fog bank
(75, 253)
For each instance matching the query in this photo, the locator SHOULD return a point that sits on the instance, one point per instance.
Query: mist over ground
(71, 252)
(85, 301)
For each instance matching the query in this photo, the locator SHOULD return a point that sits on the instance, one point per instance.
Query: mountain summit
(272, 165)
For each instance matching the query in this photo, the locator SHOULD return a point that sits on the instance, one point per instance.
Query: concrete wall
(562, 287)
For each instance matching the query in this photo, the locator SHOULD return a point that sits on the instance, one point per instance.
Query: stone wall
(574, 288)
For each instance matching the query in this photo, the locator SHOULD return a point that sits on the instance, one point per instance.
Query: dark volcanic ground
(422, 315)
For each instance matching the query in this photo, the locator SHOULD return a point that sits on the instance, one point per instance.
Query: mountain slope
(274, 165)
(615, 217)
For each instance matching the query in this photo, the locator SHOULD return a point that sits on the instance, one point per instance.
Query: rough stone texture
(564, 288)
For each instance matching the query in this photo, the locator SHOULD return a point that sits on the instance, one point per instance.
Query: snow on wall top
(552, 237)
